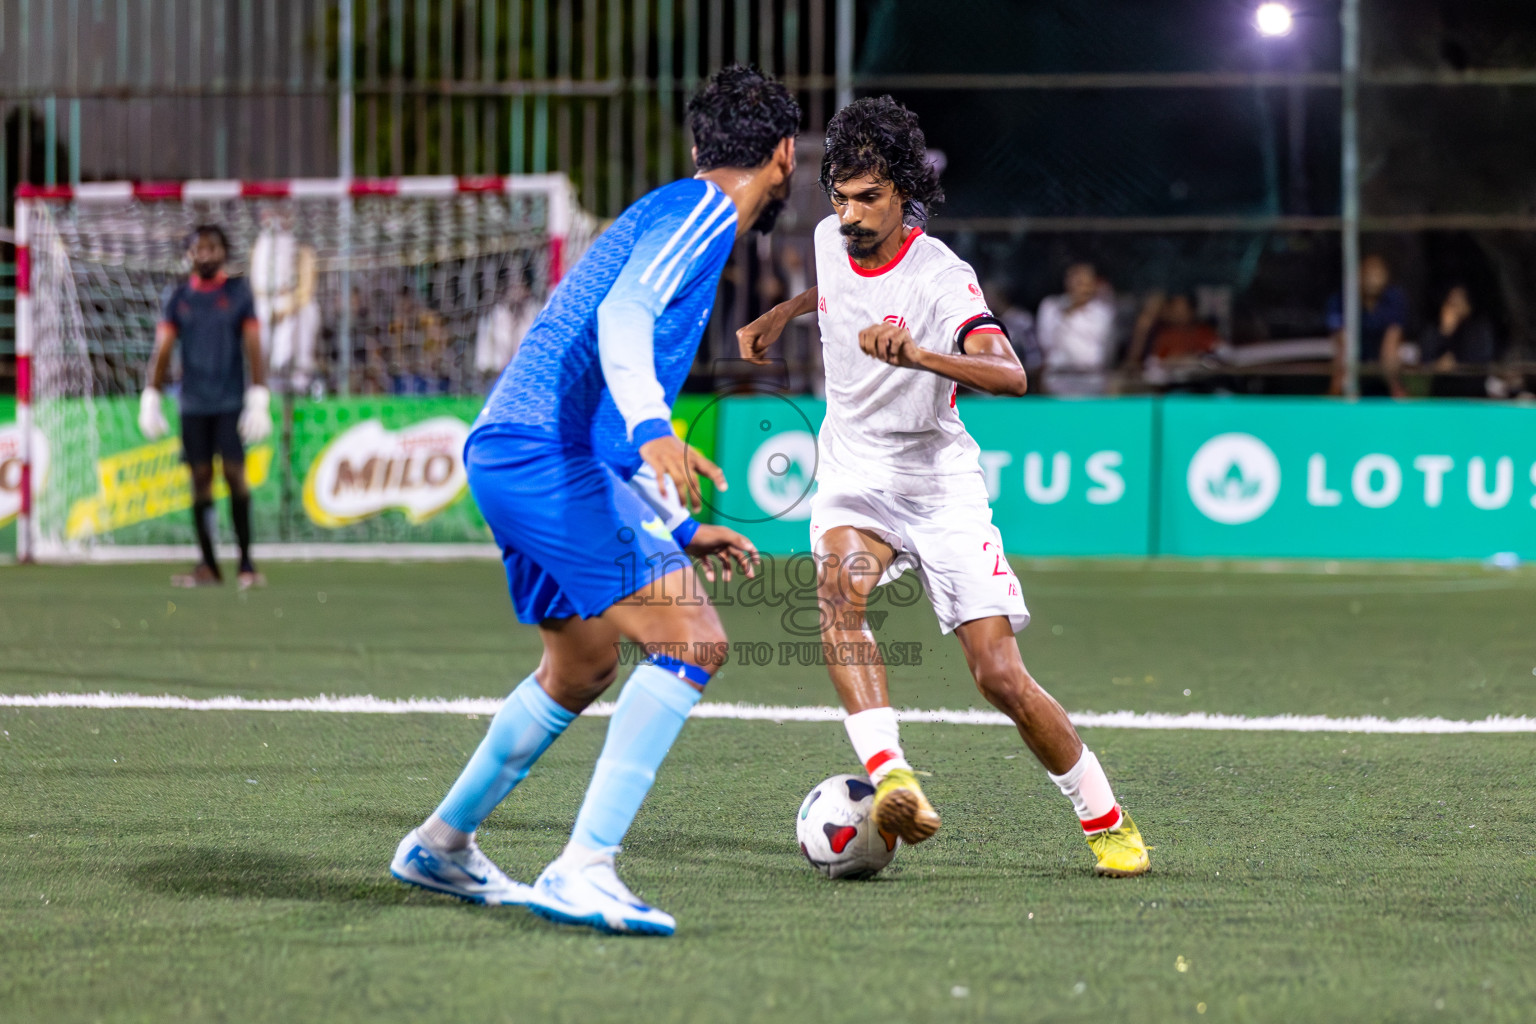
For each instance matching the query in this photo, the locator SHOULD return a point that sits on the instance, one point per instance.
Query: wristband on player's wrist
(683, 532)
(647, 431)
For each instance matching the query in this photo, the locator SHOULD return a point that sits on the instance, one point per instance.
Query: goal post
(387, 307)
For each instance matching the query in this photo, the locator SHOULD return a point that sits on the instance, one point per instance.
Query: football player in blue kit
(583, 408)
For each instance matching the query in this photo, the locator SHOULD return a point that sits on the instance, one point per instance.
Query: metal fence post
(1349, 16)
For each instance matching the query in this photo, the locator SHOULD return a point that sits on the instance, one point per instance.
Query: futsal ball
(836, 833)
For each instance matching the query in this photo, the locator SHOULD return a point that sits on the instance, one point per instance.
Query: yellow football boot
(901, 809)
(1121, 852)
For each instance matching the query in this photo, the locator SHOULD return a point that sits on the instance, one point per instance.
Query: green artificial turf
(168, 865)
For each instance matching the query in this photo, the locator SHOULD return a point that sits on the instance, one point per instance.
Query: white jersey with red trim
(887, 427)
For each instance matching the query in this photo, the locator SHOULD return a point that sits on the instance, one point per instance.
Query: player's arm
(250, 340)
(709, 544)
(160, 358)
(256, 409)
(626, 349)
(626, 327)
(986, 361)
(757, 336)
(152, 422)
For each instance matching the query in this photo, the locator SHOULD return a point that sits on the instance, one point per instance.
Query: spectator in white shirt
(500, 331)
(283, 276)
(1077, 334)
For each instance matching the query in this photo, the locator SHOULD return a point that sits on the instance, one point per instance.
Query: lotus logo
(780, 474)
(1232, 486)
(1233, 478)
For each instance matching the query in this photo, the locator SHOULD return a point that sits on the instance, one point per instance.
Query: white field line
(369, 705)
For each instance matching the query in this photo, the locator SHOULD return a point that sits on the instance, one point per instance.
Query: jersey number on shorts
(1001, 568)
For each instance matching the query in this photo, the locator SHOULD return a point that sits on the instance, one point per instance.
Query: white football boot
(583, 888)
(468, 873)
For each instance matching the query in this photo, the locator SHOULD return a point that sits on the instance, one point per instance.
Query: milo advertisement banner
(383, 470)
(1327, 479)
(392, 470)
(1065, 477)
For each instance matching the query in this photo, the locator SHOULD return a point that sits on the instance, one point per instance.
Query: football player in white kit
(903, 324)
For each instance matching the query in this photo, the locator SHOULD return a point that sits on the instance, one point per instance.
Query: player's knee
(1003, 680)
(837, 596)
(202, 482)
(708, 645)
(578, 685)
(696, 637)
(590, 680)
(234, 476)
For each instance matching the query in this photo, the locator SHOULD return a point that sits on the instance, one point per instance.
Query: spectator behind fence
(500, 331)
(1383, 322)
(283, 275)
(1167, 331)
(1459, 338)
(1077, 334)
(418, 344)
(1020, 323)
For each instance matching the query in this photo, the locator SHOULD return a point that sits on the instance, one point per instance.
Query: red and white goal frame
(568, 230)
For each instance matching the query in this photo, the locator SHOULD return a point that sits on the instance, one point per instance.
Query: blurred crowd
(1087, 340)
(447, 333)
(412, 337)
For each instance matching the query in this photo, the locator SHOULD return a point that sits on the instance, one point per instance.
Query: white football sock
(877, 741)
(442, 836)
(1087, 787)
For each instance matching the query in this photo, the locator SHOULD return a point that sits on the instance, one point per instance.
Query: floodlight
(1273, 19)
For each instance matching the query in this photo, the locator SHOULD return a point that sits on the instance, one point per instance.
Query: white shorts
(955, 549)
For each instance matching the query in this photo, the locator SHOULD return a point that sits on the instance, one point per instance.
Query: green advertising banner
(10, 474)
(1066, 477)
(1186, 476)
(381, 470)
(390, 470)
(1369, 479)
(96, 479)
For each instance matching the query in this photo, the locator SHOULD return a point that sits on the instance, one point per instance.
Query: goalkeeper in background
(214, 318)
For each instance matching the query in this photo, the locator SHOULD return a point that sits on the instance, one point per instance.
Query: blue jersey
(662, 258)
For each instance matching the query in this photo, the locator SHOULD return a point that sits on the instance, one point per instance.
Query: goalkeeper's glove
(256, 415)
(151, 419)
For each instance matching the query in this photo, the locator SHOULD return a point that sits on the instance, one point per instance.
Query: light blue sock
(523, 729)
(649, 715)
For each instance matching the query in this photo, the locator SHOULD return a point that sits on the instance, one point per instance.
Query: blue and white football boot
(468, 873)
(583, 888)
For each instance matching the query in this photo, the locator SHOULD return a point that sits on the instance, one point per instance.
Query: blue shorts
(575, 538)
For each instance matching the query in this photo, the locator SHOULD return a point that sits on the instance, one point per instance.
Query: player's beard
(769, 217)
(208, 270)
(860, 242)
(770, 214)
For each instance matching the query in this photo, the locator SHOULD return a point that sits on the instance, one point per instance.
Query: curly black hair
(878, 136)
(739, 116)
(212, 231)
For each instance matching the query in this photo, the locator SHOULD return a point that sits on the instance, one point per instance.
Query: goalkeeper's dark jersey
(209, 317)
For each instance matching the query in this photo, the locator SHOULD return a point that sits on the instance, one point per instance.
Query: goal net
(386, 309)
